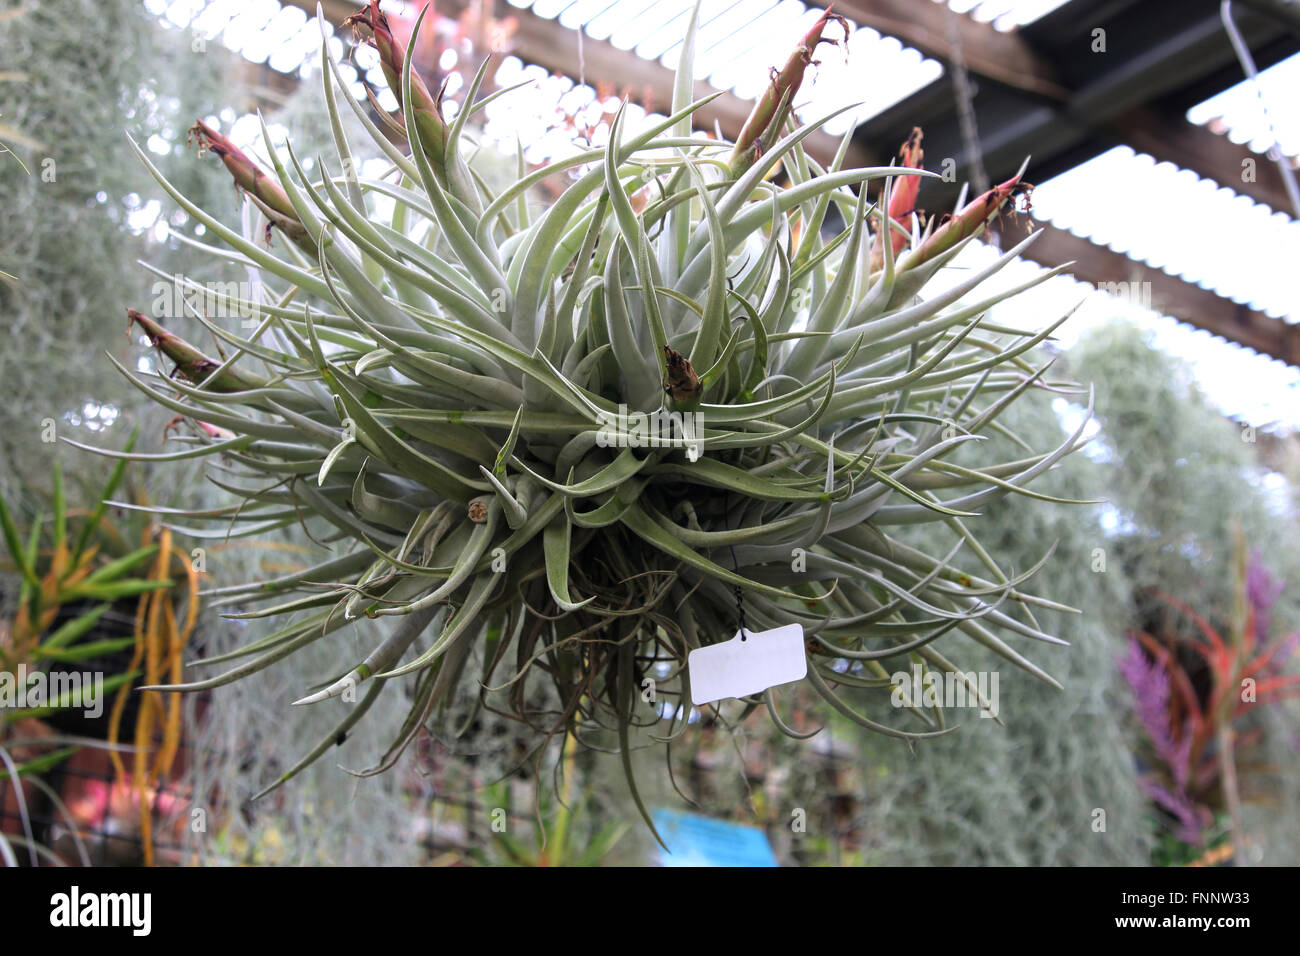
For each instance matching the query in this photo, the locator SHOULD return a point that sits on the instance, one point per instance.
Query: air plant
(560, 446)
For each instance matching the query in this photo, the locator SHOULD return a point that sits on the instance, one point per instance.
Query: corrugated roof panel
(252, 17)
(771, 50)
(286, 22)
(1239, 109)
(878, 72)
(710, 12)
(550, 9)
(768, 16)
(579, 12)
(603, 25)
(290, 55)
(1187, 226)
(743, 48)
(215, 16)
(717, 32)
(741, 40)
(180, 12)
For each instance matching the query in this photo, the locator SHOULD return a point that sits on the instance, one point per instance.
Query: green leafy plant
(73, 567)
(562, 832)
(59, 566)
(464, 397)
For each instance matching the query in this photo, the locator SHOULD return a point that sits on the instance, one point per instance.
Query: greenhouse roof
(1138, 153)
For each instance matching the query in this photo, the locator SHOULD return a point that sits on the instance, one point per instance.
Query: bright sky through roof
(1006, 15)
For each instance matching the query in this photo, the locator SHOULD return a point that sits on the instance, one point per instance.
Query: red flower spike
(972, 217)
(255, 182)
(902, 198)
(392, 60)
(768, 117)
(192, 364)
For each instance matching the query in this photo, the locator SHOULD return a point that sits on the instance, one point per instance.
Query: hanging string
(970, 136)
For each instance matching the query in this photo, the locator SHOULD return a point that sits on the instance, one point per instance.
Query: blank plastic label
(739, 668)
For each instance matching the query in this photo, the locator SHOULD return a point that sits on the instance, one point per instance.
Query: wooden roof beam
(929, 27)
(1169, 295)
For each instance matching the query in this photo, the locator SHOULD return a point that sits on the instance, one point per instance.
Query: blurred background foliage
(1179, 475)
(79, 218)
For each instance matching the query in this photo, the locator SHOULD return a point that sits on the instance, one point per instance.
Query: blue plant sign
(695, 840)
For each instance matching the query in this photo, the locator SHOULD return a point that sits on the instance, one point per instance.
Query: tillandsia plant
(559, 446)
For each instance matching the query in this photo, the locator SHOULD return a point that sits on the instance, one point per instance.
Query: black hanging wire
(740, 594)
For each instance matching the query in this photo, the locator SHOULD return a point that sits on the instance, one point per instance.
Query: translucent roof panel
(536, 114)
(1006, 15)
(739, 41)
(1241, 110)
(1173, 220)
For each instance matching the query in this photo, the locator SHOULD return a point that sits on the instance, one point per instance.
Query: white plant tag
(738, 668)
